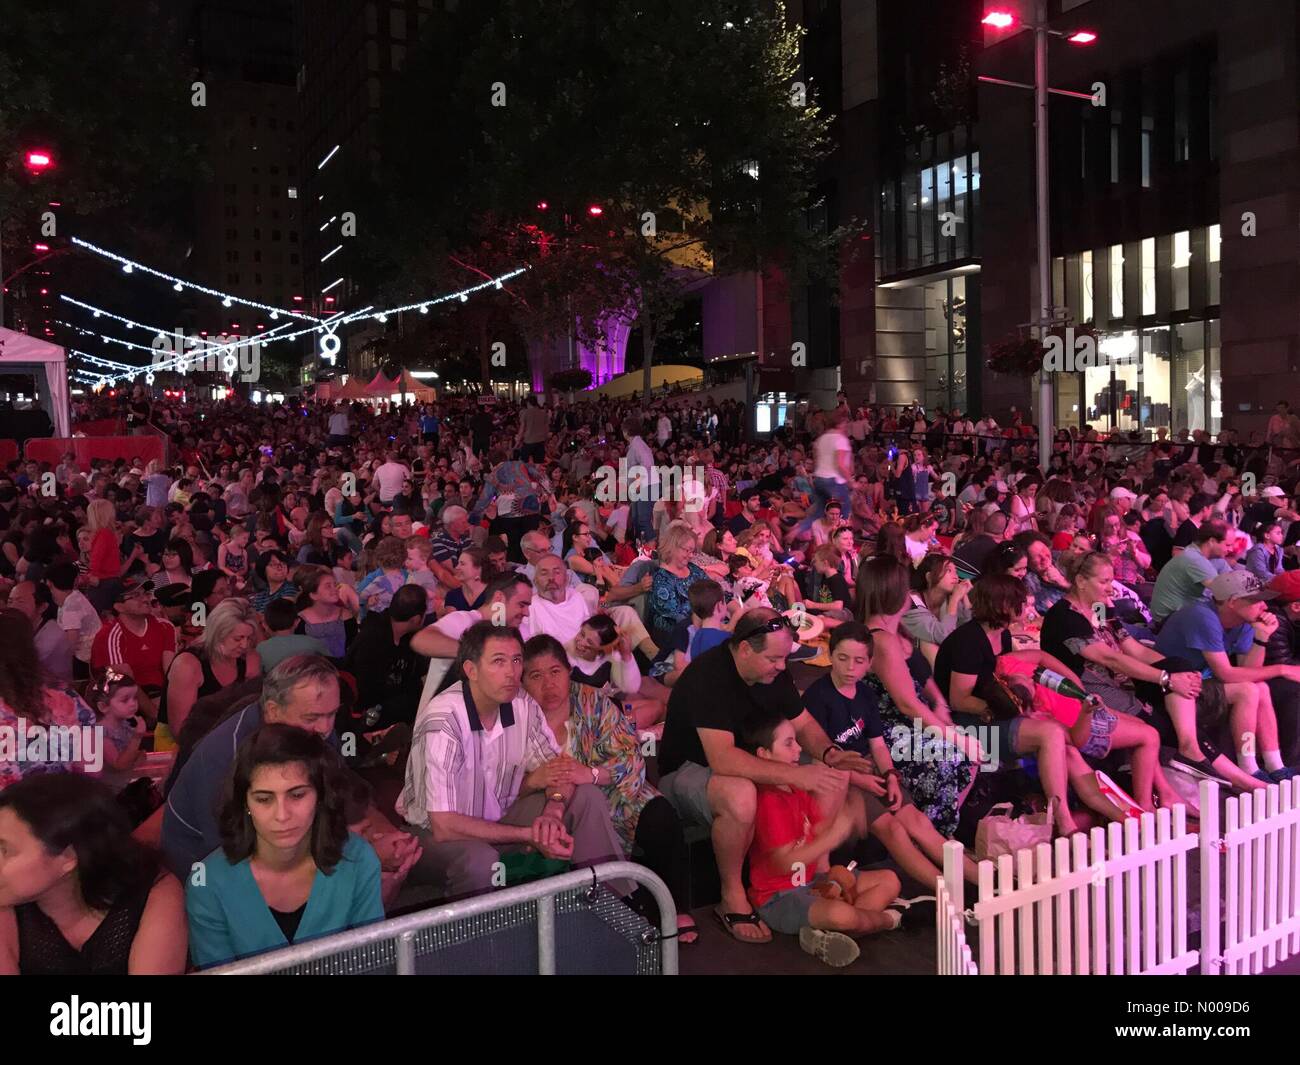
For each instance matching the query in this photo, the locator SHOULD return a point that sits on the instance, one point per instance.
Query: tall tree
(682, 123)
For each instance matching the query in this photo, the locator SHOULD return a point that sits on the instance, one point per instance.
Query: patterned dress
(29, 749)
(935, 783)
(670, 600)
(601, 734)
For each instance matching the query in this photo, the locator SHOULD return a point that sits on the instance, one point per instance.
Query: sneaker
(1285, 773)
(834, 948)
(1264, 775)
(803, 652)
(919, 912)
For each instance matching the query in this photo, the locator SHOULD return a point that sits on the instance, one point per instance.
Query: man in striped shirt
(484, 777)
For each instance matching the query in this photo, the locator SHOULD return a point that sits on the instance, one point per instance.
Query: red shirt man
(143, 642)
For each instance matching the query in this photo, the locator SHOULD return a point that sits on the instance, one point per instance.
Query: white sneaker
(834, 948)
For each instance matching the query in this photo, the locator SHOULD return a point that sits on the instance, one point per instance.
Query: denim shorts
(787, 911)
(1006, 733)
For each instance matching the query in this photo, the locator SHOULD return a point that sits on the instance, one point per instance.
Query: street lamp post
(1001, 20)
(1046, 415)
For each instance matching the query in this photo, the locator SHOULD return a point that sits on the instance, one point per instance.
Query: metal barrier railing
(401, 931)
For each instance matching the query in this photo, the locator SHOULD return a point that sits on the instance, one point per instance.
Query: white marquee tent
(48, 364)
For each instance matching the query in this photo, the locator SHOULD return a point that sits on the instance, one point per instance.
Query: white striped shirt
(456, 765)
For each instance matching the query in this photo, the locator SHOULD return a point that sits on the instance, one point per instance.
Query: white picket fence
(954, 953)
(1116, 901)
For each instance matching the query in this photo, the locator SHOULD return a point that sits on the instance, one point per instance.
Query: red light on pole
(38, 160)
(542, 205)
(1082, 37)
(40, 247)
(999, 20)
(595, 210)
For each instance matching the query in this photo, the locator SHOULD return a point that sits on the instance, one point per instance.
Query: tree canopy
(684, 123)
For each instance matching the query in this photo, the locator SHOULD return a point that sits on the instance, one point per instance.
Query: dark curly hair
(65, 810)
(22, 677)
(281, 745)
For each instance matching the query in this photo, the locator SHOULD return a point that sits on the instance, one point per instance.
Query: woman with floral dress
(910, 700)
(670, 586)
(595, 742)
(27, 692)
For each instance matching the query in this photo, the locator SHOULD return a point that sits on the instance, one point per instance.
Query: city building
(247, 207)
(1173, 207)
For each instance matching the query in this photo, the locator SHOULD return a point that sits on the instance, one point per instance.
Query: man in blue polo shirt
(1205, 634)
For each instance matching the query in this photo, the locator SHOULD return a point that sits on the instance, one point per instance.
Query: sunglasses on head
(762, 628)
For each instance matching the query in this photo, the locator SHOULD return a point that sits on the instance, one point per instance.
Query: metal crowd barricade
(396, 945)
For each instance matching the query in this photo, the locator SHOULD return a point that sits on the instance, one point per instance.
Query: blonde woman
(107, 567)
(222, 658)
(670, 586)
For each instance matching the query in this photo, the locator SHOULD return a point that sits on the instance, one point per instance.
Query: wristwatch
(555, 796)
(595, 775)
(1164, 681)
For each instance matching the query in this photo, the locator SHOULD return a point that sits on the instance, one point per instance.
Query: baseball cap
(1272, 491)
(1121, 492)
(1287, 585)
(1240, 584)
(1001, 486)
(129, 587)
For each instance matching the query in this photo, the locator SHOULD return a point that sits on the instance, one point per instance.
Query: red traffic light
(38, 160)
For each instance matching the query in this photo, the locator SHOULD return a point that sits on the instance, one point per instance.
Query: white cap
(1122, 493)
(1272, 491)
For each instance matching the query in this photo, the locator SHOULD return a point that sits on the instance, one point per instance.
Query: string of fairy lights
(200, 348)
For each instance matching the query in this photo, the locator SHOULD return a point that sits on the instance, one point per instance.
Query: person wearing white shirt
(340, 431)
(834, 467)
(77, 617)
(392, 478)
(506, 602)
(484, 777)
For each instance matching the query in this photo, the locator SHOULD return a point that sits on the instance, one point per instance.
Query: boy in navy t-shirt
(845, 707)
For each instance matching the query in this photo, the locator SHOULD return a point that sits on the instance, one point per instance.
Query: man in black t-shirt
(1199, 509)
(973, 556)
(711, 781)
(751, 502)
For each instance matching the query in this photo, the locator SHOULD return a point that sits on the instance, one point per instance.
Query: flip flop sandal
(728, 922)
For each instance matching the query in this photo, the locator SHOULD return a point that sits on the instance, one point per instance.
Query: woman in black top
(78, 895)
(965, 665)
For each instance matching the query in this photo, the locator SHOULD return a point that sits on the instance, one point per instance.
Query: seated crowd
(341, 662)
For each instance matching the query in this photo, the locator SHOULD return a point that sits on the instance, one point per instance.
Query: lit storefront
(1155, 306)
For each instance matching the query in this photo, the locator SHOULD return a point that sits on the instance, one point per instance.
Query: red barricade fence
(52, 449)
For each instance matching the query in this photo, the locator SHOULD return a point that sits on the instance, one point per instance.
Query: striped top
(457, 765)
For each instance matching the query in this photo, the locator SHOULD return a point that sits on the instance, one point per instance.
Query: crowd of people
(381, 654)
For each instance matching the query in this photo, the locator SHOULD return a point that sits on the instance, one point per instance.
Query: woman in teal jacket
(287, 869)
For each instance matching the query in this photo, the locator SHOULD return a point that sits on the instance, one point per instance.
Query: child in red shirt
(789, 861)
